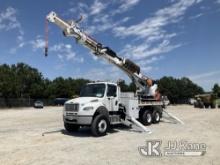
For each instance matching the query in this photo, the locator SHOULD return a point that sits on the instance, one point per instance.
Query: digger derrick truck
(102, 104)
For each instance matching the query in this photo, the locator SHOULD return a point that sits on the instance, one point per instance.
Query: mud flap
(172, 118)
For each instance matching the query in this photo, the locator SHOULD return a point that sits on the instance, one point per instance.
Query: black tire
(71, 127)
(156, 117)
(206, 106)
(213, 106)
(146, 118)
(201, 105)
(195, 106)
(100, 125)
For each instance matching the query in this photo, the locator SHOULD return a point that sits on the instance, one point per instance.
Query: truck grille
(72, 107)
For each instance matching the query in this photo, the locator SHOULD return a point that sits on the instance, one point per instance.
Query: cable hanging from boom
(46, 38)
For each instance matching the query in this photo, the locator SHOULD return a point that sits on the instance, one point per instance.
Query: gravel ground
(21, 140)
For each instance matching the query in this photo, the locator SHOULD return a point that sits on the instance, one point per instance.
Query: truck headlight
(88, 108)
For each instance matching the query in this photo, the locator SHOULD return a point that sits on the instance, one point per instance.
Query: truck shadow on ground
(83, 132)
(121, 127)
(86, 132)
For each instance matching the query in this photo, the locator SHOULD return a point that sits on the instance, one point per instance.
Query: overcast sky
(165, 37)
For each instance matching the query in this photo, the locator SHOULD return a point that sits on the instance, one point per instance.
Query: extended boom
(71, 28)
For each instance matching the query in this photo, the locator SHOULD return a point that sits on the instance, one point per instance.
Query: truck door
(112, 97)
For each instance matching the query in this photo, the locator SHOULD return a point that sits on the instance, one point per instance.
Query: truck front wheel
(71, 127)
(100, 125)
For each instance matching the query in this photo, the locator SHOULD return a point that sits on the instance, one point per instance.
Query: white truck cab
(100, 98)
(100, 105)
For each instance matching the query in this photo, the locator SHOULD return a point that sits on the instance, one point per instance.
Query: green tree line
(24, 81)
(216, 90)
(178, 90)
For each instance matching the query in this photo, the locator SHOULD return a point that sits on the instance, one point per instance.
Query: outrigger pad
(172, 118)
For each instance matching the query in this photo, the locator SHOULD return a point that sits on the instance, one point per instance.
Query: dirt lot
(21, 140)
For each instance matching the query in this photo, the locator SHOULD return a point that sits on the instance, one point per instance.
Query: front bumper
(79, 120)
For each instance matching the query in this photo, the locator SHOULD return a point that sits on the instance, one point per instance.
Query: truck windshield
(93, 90)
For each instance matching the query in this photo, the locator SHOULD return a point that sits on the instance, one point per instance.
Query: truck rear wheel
(156, 117)
(71, 127)
(201, 105)
(206, 106)
(100, 125)
(146, 118)
(213, 106)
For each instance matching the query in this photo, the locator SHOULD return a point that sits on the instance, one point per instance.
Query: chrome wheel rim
(149, 118)
(157, 116)
(102, 126)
